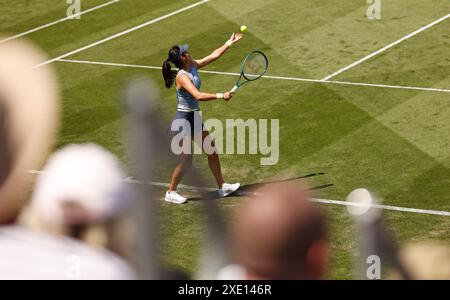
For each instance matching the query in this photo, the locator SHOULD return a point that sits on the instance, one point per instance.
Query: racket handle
(234, 89)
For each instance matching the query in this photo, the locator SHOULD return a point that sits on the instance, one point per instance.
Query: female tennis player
(187, 83)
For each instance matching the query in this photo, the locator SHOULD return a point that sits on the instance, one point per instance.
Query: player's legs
(183, 165)
(213, 159)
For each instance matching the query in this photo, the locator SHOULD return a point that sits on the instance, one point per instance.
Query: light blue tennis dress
(187, 102)
(188, 108)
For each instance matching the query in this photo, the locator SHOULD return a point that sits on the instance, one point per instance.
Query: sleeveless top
(187, 102)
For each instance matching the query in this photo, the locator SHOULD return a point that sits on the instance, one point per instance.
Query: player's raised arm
(216, 54)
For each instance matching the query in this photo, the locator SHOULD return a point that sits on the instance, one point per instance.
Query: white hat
(87, 175)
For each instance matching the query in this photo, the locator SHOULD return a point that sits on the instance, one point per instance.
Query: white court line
(387, 207)
(59, 21)
(265, 76)
(121, 33)
(386, 47)
(326, 201)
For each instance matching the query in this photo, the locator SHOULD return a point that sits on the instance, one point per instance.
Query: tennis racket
(253, 67)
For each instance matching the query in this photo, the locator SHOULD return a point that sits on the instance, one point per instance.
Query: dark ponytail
(169, 74)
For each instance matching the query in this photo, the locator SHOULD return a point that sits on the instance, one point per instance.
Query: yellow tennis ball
(244, 28)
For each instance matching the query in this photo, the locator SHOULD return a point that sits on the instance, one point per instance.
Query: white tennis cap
(86, 175)
(183, 48)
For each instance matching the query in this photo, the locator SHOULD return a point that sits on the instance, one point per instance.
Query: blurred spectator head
(81, 193)
(279, 234)
(29, 104)
(425, 261)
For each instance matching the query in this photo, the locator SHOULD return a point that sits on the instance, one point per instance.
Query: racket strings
(255, 66)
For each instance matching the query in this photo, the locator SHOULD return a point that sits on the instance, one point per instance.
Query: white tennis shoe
(174, 197)
(228, 189)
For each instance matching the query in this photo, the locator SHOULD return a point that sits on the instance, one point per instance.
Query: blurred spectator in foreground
(278, 234)
(425, 261)
(28, 125)
(82, 194)
(28, 122)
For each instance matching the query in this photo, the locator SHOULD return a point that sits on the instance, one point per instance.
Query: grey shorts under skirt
(188, 122)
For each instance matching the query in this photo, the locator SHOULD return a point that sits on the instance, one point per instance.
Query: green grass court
(393, 141)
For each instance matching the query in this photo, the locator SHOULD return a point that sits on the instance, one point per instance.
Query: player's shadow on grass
(249, 189)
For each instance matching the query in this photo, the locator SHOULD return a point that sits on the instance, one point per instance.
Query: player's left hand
(235, 37)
